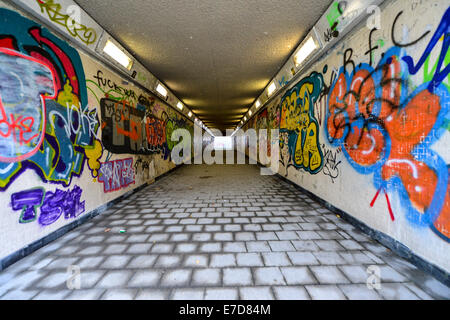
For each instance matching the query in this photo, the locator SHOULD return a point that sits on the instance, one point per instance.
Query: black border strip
(38, 244)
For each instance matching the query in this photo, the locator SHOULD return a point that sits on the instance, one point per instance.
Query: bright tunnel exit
(223, 143)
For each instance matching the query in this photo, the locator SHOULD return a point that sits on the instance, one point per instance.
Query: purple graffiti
(117, 174)
(27, 201)
(52, 205)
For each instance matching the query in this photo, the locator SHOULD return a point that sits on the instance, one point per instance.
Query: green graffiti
(333, 15)
(429, 74)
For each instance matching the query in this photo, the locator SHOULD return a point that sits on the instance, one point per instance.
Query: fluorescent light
(250, 113)
(271, 89)
(161, 90)
(245, 118)
(190, 114)
(118, 55)
(305, 51)
(180, 105)
(257, 104)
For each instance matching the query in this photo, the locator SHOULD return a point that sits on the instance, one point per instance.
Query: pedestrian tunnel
(224, 150)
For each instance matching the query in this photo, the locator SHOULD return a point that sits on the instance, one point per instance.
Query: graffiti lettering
(49, 71)
(76, 29)
(298, 120)
(331, 164)
(52, 205)
(24, 84)
(117, 174)
(386, 129)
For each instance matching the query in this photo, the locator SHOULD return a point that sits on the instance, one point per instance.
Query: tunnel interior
(225, 150)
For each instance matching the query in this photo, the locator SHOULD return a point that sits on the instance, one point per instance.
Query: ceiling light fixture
(305, 51)
(180, 105)
(190, 114)
(257, 104)
(118, 55)
(271, 89)
(161, 90)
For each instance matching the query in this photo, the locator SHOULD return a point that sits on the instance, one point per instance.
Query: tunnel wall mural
(73, 134)
(367, 127)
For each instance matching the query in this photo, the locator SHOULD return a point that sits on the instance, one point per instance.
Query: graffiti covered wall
(366, 128)
(73, 134)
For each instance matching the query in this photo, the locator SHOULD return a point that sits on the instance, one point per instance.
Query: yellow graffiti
(67, 97)
(296, 118)
(308, 155)
(94, 154)
(76, 29)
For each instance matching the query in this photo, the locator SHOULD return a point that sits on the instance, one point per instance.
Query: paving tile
(350, 245)
(287, 235)
(298, 275)
(249, 260)
(237, 277)
(162, 248)
(147, 278)
(268, 276)
(329, 258)
(180, 277)
(222, 260)
(207, 277)
(196, 260)
(359, 292)
(305, 245)
(188, 294)
(281, 246)
(115, 249)
(185, 247)
(328, 275)
(142, 261)
(139, 248)
(256, 293)
(356, 274)
(51, 295)
(325, 292)
(291, 293)
(397, 291)
(152, 294)
(88, 279)
(168, 261)
(302, 258)
(245, 236)
(276, 259)
(114, 279)
(221, 294)
(19, 295)
(88, 294)
(258, 246)
(119, 294)
(116, 262)
(211, 247)
(268, 235)
(234, 247)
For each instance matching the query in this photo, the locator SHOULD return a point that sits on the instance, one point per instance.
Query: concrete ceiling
(215, 55)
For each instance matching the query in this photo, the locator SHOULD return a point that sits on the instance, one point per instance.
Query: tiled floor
(216, 232)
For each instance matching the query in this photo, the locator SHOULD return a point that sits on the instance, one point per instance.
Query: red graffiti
(390, 134)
